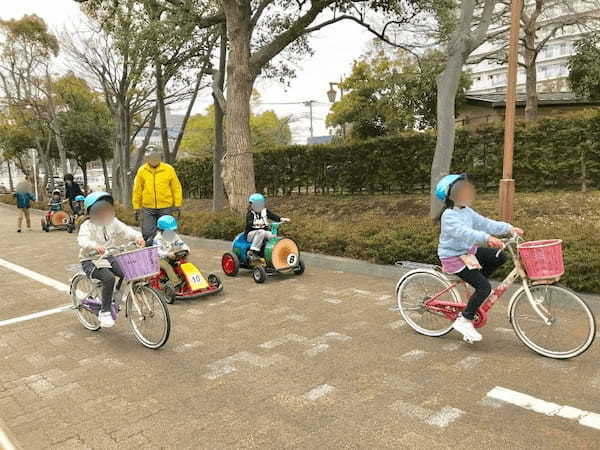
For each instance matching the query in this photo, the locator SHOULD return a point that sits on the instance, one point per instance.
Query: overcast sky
(335, 47)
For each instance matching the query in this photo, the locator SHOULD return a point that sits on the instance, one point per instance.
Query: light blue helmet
(167, 223)
(94, 197)
(257, 198)
(442, 190)
(80, 198)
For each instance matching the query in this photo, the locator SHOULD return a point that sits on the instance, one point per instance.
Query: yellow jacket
(156, 187)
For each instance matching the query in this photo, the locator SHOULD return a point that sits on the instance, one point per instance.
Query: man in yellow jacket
(156, 192)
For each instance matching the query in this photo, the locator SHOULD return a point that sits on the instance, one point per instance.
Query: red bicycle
(549, 319)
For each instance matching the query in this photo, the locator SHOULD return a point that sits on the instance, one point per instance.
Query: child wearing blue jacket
(24, 198)
(462, 229)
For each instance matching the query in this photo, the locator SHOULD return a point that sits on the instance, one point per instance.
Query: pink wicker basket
(542, 260)
(139, 264)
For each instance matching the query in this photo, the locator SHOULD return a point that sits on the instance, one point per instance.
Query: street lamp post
(331, 95)
(507, 183)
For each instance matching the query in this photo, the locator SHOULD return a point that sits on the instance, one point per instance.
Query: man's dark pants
(148, 219)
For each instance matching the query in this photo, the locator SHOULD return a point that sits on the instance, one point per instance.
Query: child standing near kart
(462, 229)
(95, 235)
(257, 224)
(24, 198)
(169, 243)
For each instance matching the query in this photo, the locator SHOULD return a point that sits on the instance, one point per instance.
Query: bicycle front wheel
(84, 289)
(414, 292)
(148, 317)
(571, 327)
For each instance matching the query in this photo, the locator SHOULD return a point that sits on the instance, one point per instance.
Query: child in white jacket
(95, 235)
(169, 243)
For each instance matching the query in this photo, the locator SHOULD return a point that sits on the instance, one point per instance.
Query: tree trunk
(162, 112)
(238, 163)
(85, 174)
(10, 177)
(218, 188)
(447, 86)
(105, 172)
(531, 104)
(122, 179)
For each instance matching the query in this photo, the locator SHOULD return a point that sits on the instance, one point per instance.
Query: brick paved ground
(318, 361)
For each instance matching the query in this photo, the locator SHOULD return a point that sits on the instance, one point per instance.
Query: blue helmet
(442, 190)
(167, 223)
(94, 197)
(257, 198)
(80, 198)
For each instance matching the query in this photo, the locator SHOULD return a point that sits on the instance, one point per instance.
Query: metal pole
(310, 103)
(35, 178)
(507, 183)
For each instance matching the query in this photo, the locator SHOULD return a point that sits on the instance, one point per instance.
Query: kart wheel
(230, 264)
(299, 269)
(214, 280)
(259, 274)
(169, 293)
(70, 228)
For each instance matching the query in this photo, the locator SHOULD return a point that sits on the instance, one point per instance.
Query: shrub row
(381, 238)
(561, 153)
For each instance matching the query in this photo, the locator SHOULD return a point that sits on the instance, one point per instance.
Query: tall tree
(85, 121)
(267, 131)
(390, 93)
(584, 67)
(258, 31)
(469, 31)
(26, 53)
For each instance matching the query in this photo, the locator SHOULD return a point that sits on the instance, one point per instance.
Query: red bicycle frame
(451, 310)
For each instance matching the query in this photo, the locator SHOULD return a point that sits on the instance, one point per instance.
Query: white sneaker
(106, 320)
(465, 327)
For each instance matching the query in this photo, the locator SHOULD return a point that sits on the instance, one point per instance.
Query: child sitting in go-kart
(169, 243)
(56, 202)
(257, 224)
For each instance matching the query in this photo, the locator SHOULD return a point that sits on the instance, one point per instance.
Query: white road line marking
(444, 417)
(585, 418)
(36, 315)
(318, 392)
(5, 442)
(35, 276)
(395, 325)
(413, 355)
(468, 363)
(61, 287)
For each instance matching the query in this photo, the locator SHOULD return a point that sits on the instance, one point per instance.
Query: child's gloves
(285, 220)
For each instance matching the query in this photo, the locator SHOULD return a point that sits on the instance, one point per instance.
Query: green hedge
(549, 153)
(397, 230)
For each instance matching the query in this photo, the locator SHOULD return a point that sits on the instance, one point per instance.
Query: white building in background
(489, 76)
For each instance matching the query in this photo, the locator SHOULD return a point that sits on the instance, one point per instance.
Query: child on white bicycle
(462, 229)
(95, 235)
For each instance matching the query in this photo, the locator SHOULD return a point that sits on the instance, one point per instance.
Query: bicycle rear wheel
(414, 292)
(148, 317)
(572, 327)
(82, 288)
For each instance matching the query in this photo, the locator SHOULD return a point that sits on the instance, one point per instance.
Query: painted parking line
(5, 442)
(36, 315)
(61, 287)
(585, 418)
